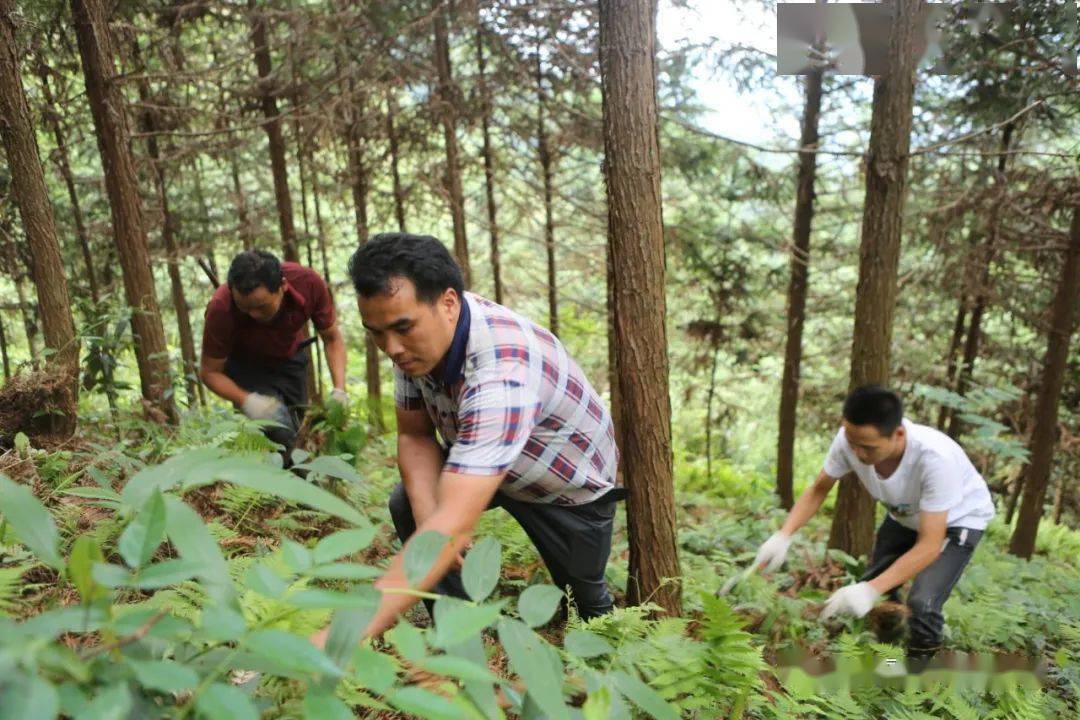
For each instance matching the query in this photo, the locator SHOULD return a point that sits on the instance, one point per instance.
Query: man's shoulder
(221, 302)
(300, 275)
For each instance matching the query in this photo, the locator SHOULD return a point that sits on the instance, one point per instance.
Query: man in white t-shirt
(938, 505)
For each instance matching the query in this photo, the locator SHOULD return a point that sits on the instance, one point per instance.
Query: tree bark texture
(879, 252)
(489, 162)
(632, 164)
(797, 289)
(1044, 433)
(395, 157)
(546, 162)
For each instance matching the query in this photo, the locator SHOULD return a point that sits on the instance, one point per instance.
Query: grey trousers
(931, 587)
(574, 542)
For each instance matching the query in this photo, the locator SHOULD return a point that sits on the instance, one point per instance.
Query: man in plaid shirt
(491, 412)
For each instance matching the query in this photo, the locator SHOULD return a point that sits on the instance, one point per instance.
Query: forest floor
(1013, 626)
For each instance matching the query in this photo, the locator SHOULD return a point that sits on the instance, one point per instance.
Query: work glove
(340, 397)
(261, 407)
(772, 552)
(857, 600)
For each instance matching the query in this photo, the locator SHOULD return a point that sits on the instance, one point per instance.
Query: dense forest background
(173, 134)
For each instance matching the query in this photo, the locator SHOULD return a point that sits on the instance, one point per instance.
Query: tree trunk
(169, 231)
(447, 112)
(32, 198)
(879, 252)
(64, 166)
(1044, 433)
(954, 347)
(982, 287)
(546, 161)
(391, 133)
(613, 361)
(708, 413)
(4, 351)
(797, 289)
(489, 161)
(247, 235)
(26, 310)
(272, 125)
(635, 226)
(1059, 498)
(114, 144)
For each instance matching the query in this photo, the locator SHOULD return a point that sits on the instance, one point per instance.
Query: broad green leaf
(359, 599)
(346, 627)
(225, 702)
(291, 650)
(165, 573)
(52, 623)
(537, 664)
(29, 698)
(333, 467)
(221, 622)
(456, 620)
(85, 552)
(192, 539)
(408, 641)
(174, 471)
(144, 533)
(114, 703)
(597, 705)
(643, 696)
(344, 571)
(342, 543)
(480, 573)
(422, 703)
(264, 580)
(481, 693)
(94, 493)
(73, 701)
(585, 644)
(320, 704)
(164, 675)
(110, 575)
(420, 554)
(374, 670)
(30, 521)
(538, 603)
(297, 557)
(458, 668)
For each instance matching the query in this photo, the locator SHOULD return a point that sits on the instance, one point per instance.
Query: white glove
(339, 396)
(857, 600)
(772, 552)
(260, 407)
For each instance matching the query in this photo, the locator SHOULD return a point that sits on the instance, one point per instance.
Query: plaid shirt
(511, 399)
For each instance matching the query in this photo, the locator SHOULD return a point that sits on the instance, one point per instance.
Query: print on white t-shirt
(934, 475)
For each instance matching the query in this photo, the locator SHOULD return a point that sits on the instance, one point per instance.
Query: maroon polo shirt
(229, 332)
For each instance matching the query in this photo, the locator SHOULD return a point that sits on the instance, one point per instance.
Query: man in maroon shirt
(255, 339)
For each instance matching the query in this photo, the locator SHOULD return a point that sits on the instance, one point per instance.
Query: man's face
(869, 445)
(415, 334)
(260, 304)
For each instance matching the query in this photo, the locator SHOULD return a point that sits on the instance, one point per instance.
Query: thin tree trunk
(247, 235)
(32, 198)
(314, 365)
(1044, 433)
(1059, 498)
(391, 133)
(110, 121)
(797, 289)
(447, 112)
(879, 252)
(275, 139)
(489, 161)
(4, 351)
(636, 233)
(64, 166)
(26, 310)
(1014, 495)
(169, 231)
(546, 161)
(613, 361)
(709, 415)
(954, 347)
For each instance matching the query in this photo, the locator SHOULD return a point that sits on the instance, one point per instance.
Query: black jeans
(931, 587)
(286, 381)
(573, 540)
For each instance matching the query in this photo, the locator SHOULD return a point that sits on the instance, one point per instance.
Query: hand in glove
(340, 397)
(261, 407)
(772, 552)
(857, 600)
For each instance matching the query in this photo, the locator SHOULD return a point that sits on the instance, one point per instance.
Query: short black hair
(252, 269)
(874, 405)
(420, 258)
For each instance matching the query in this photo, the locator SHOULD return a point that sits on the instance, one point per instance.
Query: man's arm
(461, 500)
(932, 527)
(212, 373)
(808, 503)
(335, 354)
(420, 461)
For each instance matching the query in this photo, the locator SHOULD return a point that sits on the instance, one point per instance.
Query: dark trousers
(574, 542)
(931, 587)
(287, 381)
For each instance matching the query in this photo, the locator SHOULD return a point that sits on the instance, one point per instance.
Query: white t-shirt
(934, 475)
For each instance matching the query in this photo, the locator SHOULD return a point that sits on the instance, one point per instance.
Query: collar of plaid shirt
(454, 361)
